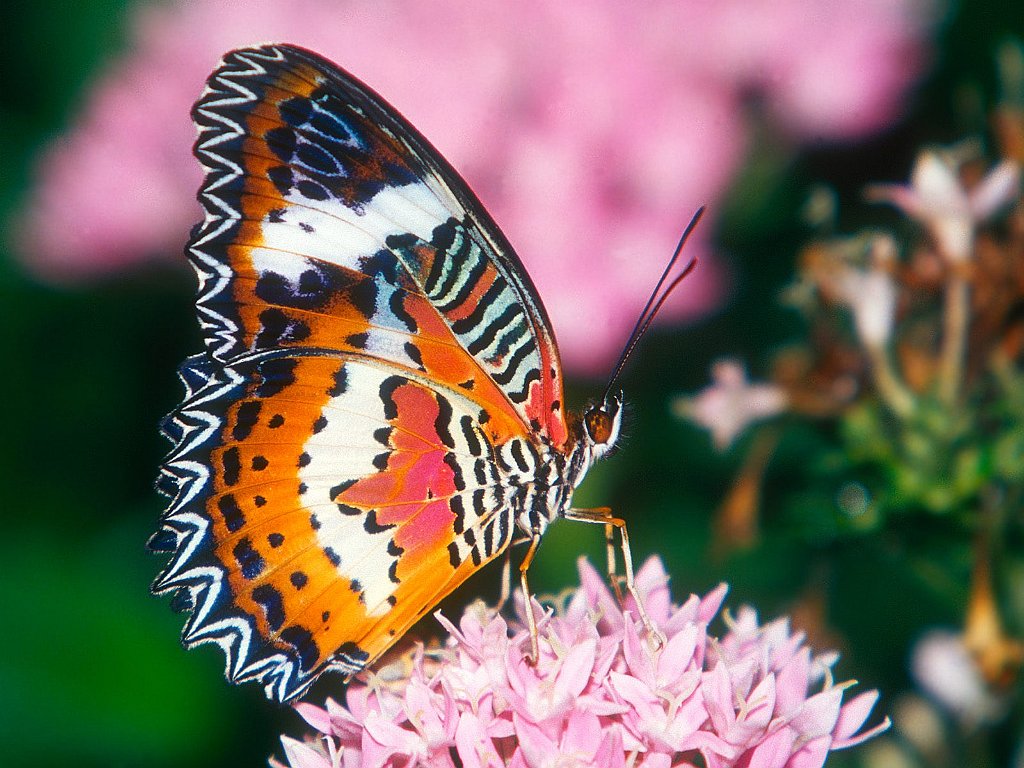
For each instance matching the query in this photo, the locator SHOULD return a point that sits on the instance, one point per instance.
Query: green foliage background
(91, 672)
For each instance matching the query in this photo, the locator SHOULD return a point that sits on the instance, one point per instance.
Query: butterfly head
(602, 423)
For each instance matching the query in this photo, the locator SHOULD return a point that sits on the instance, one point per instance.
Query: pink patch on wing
(412, 491)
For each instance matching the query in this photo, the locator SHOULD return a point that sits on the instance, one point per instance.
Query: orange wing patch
(338, 492)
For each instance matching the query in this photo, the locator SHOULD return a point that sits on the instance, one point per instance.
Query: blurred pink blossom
(599, 695)
(591, 131)
(730, 404)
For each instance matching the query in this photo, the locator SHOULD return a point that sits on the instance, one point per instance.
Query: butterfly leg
(506, 581)
(531, 620)
(603, 516)
(506, 574)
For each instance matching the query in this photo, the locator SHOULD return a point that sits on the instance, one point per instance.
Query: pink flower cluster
(601, 694)
(591, 131)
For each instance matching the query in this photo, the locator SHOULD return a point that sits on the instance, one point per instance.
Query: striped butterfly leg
(531, 620)
(603, 516)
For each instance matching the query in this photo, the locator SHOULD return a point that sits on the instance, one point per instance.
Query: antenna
(655, 302)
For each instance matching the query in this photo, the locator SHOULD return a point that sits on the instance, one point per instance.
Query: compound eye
(599, 425)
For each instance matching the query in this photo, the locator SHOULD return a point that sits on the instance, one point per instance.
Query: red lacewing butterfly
(378, 406)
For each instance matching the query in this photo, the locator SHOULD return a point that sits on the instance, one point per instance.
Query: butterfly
(378, 407)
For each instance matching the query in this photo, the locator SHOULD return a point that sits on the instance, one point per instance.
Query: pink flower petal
(316, 717)
(475, 746)
(999, 188)
(678, 656)
(819, 714)
(792, 681)
(301, 755)
(773, 752)
(537, 748)
(852, 716)
(812, 754)
(717, 690)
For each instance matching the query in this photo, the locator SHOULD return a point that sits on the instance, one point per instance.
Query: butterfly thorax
(541, 479)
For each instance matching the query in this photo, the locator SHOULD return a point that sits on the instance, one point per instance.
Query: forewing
(333, 225)
(321, 506)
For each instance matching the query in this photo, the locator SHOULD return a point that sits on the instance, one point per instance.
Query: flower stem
(954, 337)
(893, 392)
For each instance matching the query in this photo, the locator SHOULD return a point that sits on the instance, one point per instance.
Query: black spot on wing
(296, 110)
(234, 519)
(443, 422)
(277, 329)
(313, 289)
(272, 603)
(281, 177)
(340, 385)
(275, 375)
(312, 190)
(232, 466)
(413, 353)
(250, 563)
(459, 510)
(246, 418)
(281, 141)
(453, 464)
(305, 646)
(363, 295)
(318, 160)
(357, 340)
(370, 524)
(388, 387)
(340, 488)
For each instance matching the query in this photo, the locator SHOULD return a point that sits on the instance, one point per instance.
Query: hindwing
(329, 505)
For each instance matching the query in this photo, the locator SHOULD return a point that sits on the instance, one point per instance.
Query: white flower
(943, 667)
(731, 403)
(938, 200)
(870, 293)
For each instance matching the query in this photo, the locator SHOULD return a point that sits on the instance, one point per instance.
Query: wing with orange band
(331, 223)
(372, 343)
(333, 505)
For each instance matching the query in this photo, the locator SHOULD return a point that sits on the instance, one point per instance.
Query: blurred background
(829, 415)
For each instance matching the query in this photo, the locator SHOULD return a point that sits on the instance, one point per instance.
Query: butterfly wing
(371, 343)
(333, 224)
